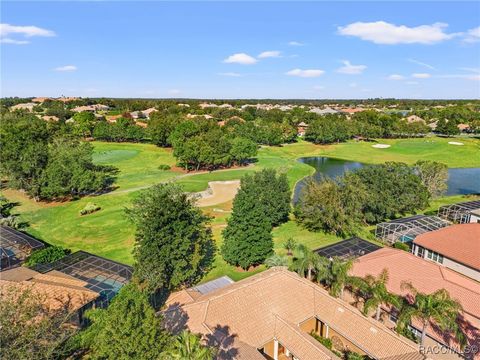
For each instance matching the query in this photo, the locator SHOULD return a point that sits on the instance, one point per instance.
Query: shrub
(401, 246)
(47, 255)
(164, 167)
(89, 208)
(324, 341)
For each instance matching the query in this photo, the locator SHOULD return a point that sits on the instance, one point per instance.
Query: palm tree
(304, 261)
(374, 290)
(188, 346)
(336, 276)
(276, 260)
(437, 307)
(290, 245)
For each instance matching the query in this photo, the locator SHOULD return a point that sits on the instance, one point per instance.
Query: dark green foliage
(393, 189)
(161, 126)
(242, 150)
(447, 127)
(262, 202)
(127, 329)
(23, 151)
(328, 129)
(47, 255)
(121, 130)
(84, 123)
(89, 209)
(401, 246)
(247, 238)
(70, 171)
(331, 206)
(324, 341)
(368, 195)
(164, 167)
(173, 246)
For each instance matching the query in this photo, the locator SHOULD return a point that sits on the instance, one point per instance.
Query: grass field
(108, 233)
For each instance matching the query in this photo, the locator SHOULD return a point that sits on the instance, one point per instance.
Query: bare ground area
(218, 192)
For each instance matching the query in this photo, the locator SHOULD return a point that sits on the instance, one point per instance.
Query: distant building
(325, 111)
(302, 128)
(414, 118)
(456, 247)
(40, 99)
(91, 108)
(24, 106)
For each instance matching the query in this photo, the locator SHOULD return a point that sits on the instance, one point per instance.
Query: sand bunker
(381, 146)
(218, 192)
(455, 143)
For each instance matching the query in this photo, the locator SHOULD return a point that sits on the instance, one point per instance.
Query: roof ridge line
(350, 308)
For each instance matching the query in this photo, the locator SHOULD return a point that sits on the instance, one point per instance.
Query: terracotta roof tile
(249, 309)
(457, 242)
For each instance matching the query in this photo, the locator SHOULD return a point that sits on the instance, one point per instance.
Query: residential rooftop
(457, 242)
(274, 305)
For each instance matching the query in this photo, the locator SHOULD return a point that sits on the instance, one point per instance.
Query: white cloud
(472, 35)
(421, 64)
(295, 43)
(474, 77)
(13, 41)
(396, 77)
(381, 32)
(240, 58)
(421, 75)
(28, 31)
(174, 91)
(311, 73)
(230, 74)
(350, 69)
(7, 30)
(318, 87)
(269, 54)
(66, 68)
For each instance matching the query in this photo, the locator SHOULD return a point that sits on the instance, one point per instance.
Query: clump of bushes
(47, 255)
(324, 341)
(89, 208)
(401, 246)
(164, 167)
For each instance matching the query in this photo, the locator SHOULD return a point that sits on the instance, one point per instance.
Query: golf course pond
(461, 181)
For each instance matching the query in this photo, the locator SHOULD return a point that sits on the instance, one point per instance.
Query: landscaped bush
(164, 167)
(89, 208)
(47, 255)
(324, 341)
(401, 246)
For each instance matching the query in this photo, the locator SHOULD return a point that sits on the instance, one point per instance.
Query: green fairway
(410, 151)
(108, 233)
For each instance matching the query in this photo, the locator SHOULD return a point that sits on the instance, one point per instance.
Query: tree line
(47, 163)
(369, 195)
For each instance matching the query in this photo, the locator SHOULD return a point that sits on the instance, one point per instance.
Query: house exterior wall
(449, 263)
(310, 325)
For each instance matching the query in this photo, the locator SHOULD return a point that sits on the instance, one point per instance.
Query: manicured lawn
(108, 233)
(410, 151)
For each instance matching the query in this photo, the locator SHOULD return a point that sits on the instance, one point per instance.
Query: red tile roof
(427, 277)
(457, 242)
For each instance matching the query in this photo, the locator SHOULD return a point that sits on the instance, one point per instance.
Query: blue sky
(241, 50)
